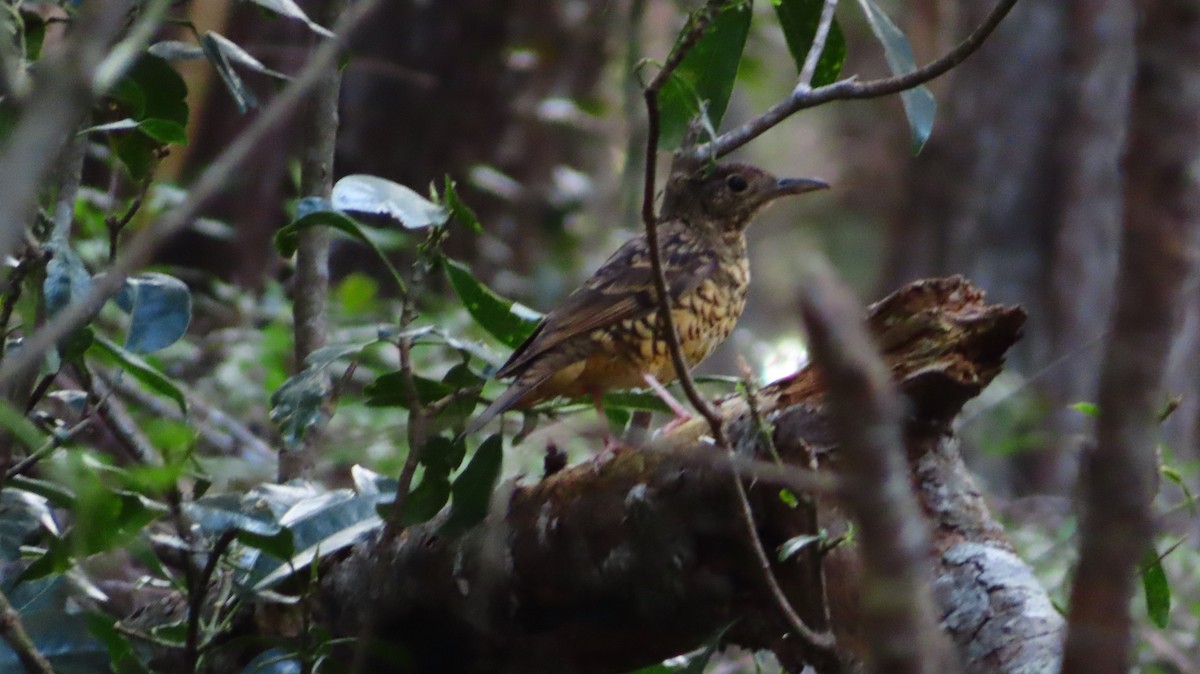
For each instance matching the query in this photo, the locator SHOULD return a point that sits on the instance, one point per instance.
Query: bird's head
(728, 195)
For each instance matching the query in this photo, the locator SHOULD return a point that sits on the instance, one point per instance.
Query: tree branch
(1160, 232)
(311, 283)
(803, 97)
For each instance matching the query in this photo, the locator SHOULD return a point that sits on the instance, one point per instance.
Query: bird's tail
(511, 396)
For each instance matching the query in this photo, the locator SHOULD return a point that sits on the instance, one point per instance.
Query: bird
(606, 335)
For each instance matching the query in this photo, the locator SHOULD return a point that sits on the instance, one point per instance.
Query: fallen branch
(605, 567)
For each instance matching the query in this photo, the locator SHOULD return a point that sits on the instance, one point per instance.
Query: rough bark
(616, 564)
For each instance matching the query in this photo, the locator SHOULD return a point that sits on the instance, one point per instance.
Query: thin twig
(12, 631)
(197, 595)
(140, 248)
(803, 97)
(700, 22)
(818, 45)
(52, 443)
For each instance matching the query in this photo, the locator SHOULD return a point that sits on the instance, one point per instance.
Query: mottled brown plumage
(606, 334)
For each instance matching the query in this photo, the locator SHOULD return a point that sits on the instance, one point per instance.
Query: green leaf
(391, 390)
(1090, 409)
(799, 20)
(160, 309)
(443, 454)
(509, 322)
(697, 664)
(1156, 588)
(67, 279)
(459, 210)
(162, 92)
(35, 35)
(472, 490)
(296, 405)
(140, 370)
(919, 104)
(242, 96)
(122, 658)
(427, 499)
(234, 53)
(287, 239)
(21, 428)
(164, 131)
(320, 526)
(137, 152)
(371, 194)
(705, 77)
(22, 515)
(1174, 475)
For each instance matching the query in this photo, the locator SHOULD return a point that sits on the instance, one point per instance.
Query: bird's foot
(682, 414)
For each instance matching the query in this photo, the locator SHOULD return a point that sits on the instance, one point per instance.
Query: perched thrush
(606, 334)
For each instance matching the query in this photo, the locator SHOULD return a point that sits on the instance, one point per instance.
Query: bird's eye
(736, 183)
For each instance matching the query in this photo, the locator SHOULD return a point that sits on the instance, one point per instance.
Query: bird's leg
(681, 413)
(610, 443)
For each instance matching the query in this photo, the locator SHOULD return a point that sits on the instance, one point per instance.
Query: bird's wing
(623, 288)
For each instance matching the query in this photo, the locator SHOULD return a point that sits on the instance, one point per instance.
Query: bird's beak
(787, 186)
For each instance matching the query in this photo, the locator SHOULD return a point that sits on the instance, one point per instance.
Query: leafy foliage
(703, 82)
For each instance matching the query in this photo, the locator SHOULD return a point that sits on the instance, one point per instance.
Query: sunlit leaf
(793, 545)
(372, 194)
(240, 56)
(242, 96)
(799, 20)
(175, 50)
(320, 525)
(509, 322)
(160, 309)
(127, 124)
(704, 79)
(919, 104)
(291, 10)
(471, 492)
